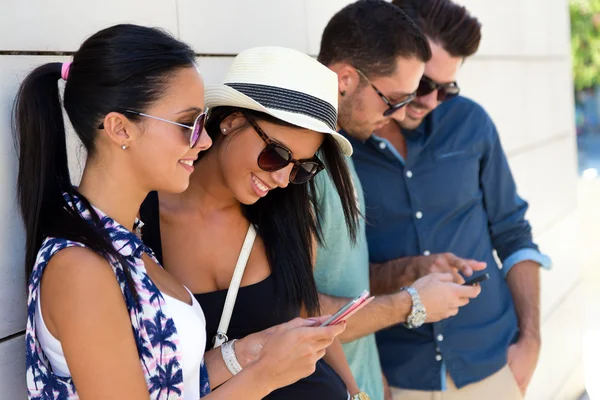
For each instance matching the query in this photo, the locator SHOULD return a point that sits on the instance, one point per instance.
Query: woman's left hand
(248, 349)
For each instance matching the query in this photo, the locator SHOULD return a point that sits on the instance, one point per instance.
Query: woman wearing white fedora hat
(241, 225)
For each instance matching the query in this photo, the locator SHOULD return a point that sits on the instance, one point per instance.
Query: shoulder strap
(238, 273)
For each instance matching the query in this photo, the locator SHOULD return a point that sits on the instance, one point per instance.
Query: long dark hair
(119, 68)
(285, 219)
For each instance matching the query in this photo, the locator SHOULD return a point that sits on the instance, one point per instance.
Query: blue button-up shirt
(453, 193)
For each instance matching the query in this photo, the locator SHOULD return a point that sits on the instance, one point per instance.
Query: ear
(348, 78)
(119, 129)
(232, 123)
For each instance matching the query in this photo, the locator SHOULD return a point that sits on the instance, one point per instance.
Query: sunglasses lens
(398, 106)
(304, 172)
(425, 87)
(446, 93)
(273, 158)
(197, 130)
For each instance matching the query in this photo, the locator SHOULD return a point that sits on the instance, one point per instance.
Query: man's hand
(447, 263)
(441, 297)
(522, 360)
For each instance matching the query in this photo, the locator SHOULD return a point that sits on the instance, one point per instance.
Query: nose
(204, 142)
(399, 115)
(282, 177)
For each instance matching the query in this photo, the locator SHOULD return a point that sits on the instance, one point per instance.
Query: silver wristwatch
(418, 314)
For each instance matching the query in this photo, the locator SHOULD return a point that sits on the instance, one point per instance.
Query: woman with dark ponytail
(105, 321)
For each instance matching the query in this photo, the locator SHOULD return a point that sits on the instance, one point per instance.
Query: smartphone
(477, 279)
(349, 309)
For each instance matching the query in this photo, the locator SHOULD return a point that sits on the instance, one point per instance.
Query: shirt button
(426, 253)
(382, 145)
(419, 215)
(440, 338)
(438, 357)
(409, 174)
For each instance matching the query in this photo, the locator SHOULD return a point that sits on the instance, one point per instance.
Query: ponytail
(43, 170)
(44, 187)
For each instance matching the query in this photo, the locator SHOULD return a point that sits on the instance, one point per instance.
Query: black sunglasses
(445, 91)
(196, 128)
(275, 157)
(392, 108)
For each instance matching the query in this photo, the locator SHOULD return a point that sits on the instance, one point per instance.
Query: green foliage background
(585, 42)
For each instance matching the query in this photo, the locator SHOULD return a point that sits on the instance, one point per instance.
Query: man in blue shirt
(379, 56)
(438, 181)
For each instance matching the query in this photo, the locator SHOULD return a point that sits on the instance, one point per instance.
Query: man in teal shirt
(379, 56)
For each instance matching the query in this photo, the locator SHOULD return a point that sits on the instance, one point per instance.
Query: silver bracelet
(231, 361)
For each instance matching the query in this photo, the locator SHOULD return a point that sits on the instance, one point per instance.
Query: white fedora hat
(286, 84)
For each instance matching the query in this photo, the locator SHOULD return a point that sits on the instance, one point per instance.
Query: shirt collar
(124, 241)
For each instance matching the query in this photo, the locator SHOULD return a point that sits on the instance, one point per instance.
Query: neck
(112, 192)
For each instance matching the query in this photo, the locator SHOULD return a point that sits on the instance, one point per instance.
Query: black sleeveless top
(253, 312)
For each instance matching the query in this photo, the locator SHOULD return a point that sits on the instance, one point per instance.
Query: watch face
(418, 317)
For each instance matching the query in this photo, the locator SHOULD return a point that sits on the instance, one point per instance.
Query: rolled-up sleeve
(509, 229)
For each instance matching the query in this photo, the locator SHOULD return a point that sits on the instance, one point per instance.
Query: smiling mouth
(260, 184)
(187, 162)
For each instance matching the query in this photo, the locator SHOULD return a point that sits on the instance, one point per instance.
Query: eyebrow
(402, 94)
(438, 82)
(187, 110)
(397, 95)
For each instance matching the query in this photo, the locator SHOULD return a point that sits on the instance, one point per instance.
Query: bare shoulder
(76, 266)
(79, 281)
(82, 303)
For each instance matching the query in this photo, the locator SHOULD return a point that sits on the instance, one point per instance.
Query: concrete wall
(521, 75)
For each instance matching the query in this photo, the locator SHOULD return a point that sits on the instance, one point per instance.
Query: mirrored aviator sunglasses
(445, 91)
(196, 128)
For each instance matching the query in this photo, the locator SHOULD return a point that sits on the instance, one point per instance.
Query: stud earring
(124, 146)
(343, 93)
(224, 130)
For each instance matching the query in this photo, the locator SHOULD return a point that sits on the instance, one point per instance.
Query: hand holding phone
(477, 280)
(349, 309)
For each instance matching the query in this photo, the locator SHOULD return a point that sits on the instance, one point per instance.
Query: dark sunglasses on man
(445, 91)
(392, 107)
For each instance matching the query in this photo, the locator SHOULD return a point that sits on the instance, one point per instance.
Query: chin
(176, 187)
(410, 124)
(361, 133)
(247, 199)
(249, 202)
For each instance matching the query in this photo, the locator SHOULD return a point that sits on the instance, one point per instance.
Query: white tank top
(191, 329)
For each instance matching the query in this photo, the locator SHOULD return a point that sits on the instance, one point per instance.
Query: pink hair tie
(64, 70)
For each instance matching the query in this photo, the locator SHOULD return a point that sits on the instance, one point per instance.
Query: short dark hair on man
(448, 24)
(370, 35)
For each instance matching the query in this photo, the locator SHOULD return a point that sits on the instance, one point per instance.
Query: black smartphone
(477, 280)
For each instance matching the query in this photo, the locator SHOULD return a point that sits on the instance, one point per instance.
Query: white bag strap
(221, 336)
